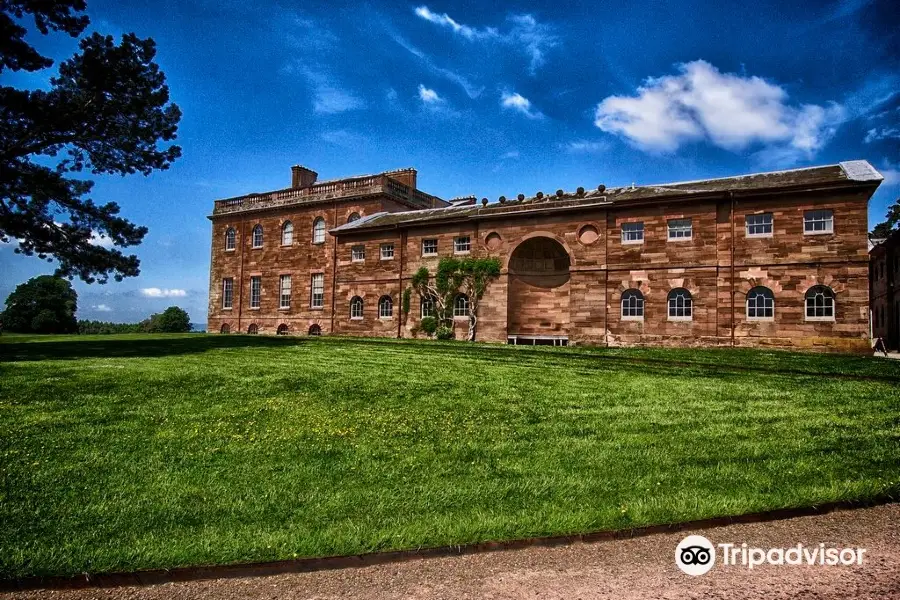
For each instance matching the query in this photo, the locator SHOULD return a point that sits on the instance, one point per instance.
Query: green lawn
(132, 452)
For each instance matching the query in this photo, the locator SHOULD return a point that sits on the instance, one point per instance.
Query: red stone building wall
(719, 264)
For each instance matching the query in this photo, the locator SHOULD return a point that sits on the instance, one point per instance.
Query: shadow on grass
(138, 347)
(142, 346)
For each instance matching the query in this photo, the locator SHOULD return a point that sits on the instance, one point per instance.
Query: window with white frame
(358, 253)
(680, 229)
(257, 236)
(287, 233)
(356, 308)
(818, 221)
(680, 305)
(759, 225)
(760, 303)
(387, 251)
(255, 291)
(319, 231)
(353, 217)
(385, 307)
(227, 293)
(429, 247)
(462, 245)
(317, 291)
(230, 238)
(461, 306)
(426, 304)
(285, 292)
(632, 305)
(820, 303)
(633, 233)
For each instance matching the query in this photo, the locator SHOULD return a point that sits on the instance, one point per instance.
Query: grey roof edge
(361, 221)
(860, 170)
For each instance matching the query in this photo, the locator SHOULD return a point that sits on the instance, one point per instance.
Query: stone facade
(567, 260)
(884, 282)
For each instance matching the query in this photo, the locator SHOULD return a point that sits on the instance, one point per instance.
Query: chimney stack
(301, 177)
(404, 176)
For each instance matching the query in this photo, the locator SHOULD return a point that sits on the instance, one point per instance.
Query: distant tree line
(47, 304)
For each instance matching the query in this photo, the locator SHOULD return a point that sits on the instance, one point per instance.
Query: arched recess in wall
(538, 296)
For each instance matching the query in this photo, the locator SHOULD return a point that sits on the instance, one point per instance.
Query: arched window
(461, 306)
(287, 233)
(427, 305)
(353, 217)
(253, 329)
(229, 238)
(257, 236)
(632, 304)
(680, 305)
(226, 328)
(314, 329)
(356, 308)
(385, 307)
(319, 231)
(760, 303)
(820, 303)
(282, 329)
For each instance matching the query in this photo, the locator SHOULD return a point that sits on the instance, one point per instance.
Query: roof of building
(879, 245)
(856, 172)
(330, 190)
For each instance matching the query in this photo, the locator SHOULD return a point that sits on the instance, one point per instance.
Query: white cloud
(429, 96)
(464, 30)
(328, 96)
(104, 241)
(533, 38)
(511, 154)
(525, 33)
(342, 138)
(163, 293)
(519, 103)
(101, 308)
(727, 110)
(885, 133)
(471, 90)
(891, 176)
(585, 147)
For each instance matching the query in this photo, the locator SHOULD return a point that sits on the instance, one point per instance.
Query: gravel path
(626, 569)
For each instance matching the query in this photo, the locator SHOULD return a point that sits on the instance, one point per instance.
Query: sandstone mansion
(770, 259)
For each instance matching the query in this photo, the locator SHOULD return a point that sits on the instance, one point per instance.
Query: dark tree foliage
(104, 327)
(469, 276)
(44, 304)
(107, 111)
(890, 223)
(171, 320)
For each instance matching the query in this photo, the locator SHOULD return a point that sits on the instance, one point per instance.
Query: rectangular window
(429, 247)
(227, 293)
(680, 229)
(759, 225)
(633, 233)
(387, 251)
(427, 305)
(358, 253)
(255, 291)
(462, 245)
(285, 295)
(818, 221)
(317, 295)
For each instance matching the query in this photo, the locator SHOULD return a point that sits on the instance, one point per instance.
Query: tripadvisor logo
(696, 555)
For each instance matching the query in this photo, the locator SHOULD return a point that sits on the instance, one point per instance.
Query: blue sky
(485, 99)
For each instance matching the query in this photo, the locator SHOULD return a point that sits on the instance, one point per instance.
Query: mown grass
(133, 452)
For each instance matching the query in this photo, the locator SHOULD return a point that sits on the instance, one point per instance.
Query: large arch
(538, 302)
